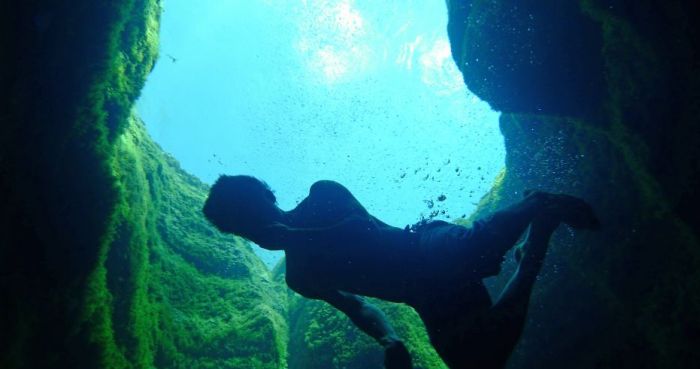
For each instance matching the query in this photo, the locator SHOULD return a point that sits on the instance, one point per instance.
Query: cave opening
(365, 93)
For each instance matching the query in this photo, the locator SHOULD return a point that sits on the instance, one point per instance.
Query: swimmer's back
(328, 203)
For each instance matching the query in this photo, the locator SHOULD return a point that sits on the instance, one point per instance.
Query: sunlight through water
(361, 92)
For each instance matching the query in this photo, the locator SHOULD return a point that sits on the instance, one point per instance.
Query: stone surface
(105, 258)
(628, 295)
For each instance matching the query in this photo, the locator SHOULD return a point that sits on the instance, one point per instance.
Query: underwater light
(366, 94)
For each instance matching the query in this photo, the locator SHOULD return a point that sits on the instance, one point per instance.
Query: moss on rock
(321, 337)
(68, 88)
(106, 260)
(172, 291)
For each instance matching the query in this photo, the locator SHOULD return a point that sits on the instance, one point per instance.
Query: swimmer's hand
(396, 356)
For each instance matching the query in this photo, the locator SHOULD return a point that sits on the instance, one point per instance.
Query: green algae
(490, 202)
(322, 337)
(67, 81)
(159, 308)
(135, 276)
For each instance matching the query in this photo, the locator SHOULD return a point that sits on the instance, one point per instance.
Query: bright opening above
(361, 92)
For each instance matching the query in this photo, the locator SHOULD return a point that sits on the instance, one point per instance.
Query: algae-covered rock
(182, 294)
(628, 295)
(105, 258)
(70, 74)
(321, 337)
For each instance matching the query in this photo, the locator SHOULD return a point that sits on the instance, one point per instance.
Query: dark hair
(234, 203)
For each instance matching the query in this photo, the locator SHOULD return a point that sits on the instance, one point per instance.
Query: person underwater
(339, 253)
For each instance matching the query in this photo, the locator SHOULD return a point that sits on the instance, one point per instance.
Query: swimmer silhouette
(337, 252)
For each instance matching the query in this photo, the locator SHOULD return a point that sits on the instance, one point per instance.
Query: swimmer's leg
(508, 313)
(517, 291)
(483, 336)
(504, 228)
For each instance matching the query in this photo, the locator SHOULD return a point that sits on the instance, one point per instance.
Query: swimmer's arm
(280, 236)
(372, 321)
(364, 315)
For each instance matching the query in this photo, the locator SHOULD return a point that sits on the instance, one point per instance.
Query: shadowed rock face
(621, 132)
(529, 56)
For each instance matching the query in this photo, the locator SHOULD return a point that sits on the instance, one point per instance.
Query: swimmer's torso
(348, 266)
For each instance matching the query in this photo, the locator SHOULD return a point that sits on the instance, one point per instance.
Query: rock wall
(105, 258)
(176, 292)
(600, 100)
(70, 73)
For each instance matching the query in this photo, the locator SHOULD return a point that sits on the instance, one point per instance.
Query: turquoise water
(362, 92)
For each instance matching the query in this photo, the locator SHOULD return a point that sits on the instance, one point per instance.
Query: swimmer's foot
(570, 210)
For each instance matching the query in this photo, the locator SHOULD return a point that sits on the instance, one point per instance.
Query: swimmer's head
(241, 205)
